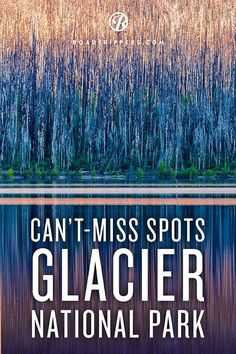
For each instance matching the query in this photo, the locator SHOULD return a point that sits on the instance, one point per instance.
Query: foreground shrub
(40, 172)
(55, 171)
(209, 173)
(28, 172)
(188, 173)
(162, 170)
(94, 173)
(10, 173)
(139, 173)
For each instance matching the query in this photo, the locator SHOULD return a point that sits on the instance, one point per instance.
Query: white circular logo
(118, 22)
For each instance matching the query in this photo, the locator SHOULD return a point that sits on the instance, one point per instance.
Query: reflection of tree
(219, 271)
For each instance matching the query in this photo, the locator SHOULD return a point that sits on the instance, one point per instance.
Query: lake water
(219, 274)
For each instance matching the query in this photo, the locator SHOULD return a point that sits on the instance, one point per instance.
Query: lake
(215, 203)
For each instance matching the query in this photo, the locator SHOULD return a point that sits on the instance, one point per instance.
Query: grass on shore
(162, 172)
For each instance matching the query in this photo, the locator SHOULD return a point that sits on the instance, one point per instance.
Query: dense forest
(112, 107)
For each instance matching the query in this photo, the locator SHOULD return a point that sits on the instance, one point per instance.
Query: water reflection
(219, 279)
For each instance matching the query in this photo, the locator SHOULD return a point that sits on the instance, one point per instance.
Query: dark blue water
(218, 251)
